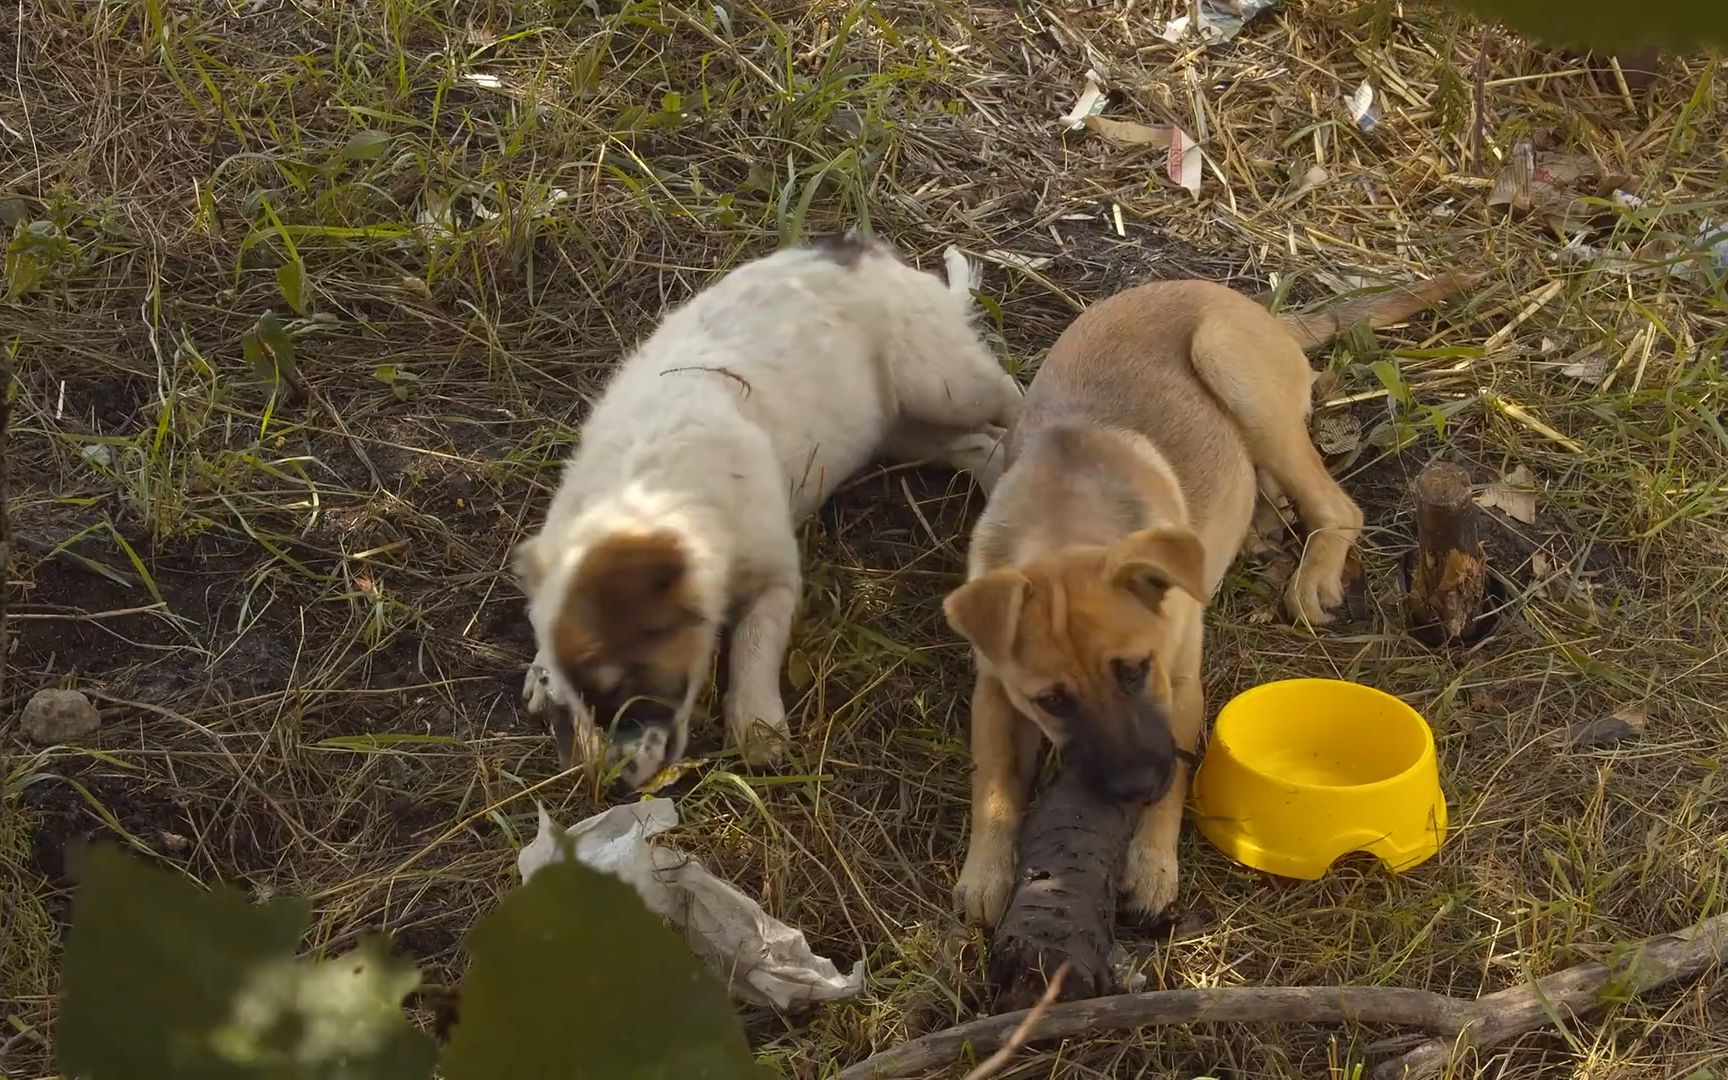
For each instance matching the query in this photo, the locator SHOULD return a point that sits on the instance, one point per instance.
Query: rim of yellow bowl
(1427, 750)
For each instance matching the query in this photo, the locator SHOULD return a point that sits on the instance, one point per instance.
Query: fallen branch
(1563, 995)
(1235, 1004)
(5, 521)
(1459, 1023)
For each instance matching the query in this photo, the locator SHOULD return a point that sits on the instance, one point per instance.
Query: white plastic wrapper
(763, 960)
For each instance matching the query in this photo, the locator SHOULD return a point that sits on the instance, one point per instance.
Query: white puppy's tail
(964, 276)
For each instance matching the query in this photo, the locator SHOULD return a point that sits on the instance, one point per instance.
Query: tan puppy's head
(1080, 640)
(627, 640)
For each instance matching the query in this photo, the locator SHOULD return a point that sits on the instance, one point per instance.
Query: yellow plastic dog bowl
(1302, 772)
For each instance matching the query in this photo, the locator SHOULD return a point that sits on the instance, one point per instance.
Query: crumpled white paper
(763, 960)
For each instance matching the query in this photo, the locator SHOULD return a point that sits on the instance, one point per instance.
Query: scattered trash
(1091, 102)
(1606, 731)
(1127, 131)
(1184, 159)
(1588, 365)
(1712, 242)
(1365, 109)
(763, 960)
(1513, 495)
(1337, 432)
(1313, 178)
(1220, 20)
(1130, 978)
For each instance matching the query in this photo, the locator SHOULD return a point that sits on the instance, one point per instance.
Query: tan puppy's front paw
(1149, 881)
(1312, 595)
(986, 882)
(757, 728)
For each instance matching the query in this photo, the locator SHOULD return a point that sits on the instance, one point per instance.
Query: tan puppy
(1129, 490)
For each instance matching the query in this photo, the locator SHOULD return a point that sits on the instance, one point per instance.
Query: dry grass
(294, 607)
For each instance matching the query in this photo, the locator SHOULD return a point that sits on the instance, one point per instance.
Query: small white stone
(59, 716)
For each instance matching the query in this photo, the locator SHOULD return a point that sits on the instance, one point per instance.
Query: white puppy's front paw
(756, 726)
(964, 276)
(1149, 881)
(986, 882)
(537, 693)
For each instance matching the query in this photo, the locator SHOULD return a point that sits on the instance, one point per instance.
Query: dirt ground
(284, 579)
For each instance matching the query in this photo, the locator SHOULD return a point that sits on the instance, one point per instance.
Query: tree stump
(1449, 578)
(1072, 848)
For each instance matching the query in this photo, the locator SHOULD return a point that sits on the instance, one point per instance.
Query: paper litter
(763, 960)
(1220, 20)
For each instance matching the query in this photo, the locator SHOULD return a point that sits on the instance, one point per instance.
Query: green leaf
(574, 978)
(270, 351)
(1393, 380)
(291, 275)
(1611, 26)
(163, 978)
(367, 145)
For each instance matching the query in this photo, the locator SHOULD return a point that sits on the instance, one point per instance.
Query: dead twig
(1236, 1004)
(5, 521)
(993, 1064)
(1458, 1023)
(1565, 994)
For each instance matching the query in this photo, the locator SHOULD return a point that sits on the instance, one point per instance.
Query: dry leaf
(1512, 182)
(1626, 723)
(1016, 261)
(1513, 495)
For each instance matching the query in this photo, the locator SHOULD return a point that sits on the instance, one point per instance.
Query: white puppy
(745, 410)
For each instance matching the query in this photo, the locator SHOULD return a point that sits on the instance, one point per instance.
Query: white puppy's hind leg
(977, 452)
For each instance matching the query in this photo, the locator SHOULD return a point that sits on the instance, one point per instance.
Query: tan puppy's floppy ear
(1150, 562)
(986, 611)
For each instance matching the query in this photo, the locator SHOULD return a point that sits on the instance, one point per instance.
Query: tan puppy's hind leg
(1263, 379)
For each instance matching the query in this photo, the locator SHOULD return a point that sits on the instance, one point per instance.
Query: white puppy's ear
(964, 276)
(529, 563)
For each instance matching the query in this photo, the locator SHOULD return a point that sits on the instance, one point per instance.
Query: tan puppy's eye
(1131, 674)
(1057, 702)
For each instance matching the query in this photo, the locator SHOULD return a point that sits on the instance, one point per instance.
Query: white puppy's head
(622, 624)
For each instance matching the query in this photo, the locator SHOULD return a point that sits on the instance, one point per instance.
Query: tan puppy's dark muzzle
(1139, 771)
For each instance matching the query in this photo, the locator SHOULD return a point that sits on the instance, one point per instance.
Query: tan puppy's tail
(1322, 326)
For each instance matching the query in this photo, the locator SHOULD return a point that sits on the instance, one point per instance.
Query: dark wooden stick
(1234, 1004)
(1449, 580)
(5, 521)
(1063, 911)
(1482, 1023)
(1565, 994)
